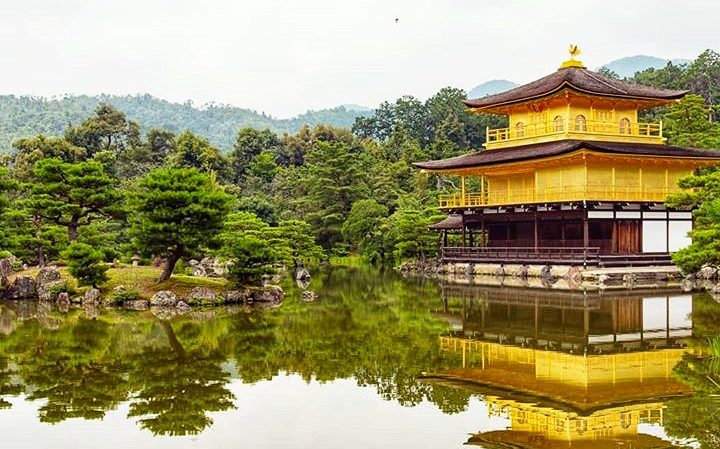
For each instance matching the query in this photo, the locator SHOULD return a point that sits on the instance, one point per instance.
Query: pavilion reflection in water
(569, 369)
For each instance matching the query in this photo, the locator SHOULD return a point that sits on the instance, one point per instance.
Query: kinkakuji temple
(574, 179)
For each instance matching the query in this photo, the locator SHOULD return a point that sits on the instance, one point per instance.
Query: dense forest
(106, 190)
(24, 116)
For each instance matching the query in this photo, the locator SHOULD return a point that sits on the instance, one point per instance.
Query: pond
(376, 361)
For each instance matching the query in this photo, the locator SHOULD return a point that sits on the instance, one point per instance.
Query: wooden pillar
(586, 231)
(472, 240)
(463, 234)
(445, 237)
(536, 230)
(483, 232)
(462, 191)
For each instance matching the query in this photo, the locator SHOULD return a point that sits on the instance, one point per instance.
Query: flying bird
(397, 20)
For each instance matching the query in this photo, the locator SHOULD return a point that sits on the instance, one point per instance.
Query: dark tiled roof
(548, 149)
(451, 222)
(581, 80)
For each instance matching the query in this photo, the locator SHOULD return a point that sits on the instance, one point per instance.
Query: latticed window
(520, 129)
(580, 123)
(624, 125)
(559, 124)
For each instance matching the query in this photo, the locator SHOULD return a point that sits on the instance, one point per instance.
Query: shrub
(86, 264)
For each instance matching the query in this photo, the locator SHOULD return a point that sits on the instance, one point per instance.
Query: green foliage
(193, 151)
(176, 211)
(704, 197)
(86, 264)
(409, 233)
(251, 258)
(72, 194)
(687, 124)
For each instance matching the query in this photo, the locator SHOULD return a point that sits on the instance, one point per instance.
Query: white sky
(284, 57)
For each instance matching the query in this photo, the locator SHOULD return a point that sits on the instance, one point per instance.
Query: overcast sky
(286, 56)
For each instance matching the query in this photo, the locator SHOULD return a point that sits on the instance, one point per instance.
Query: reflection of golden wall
(569, 369)
(569, 426)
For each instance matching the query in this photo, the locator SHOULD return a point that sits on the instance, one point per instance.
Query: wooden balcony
(555, 195)
(581, 130)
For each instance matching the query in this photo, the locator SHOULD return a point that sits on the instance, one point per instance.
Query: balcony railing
(561, 127)
(556, 194)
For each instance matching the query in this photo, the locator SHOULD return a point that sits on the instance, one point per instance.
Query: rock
(707, 272)
(573, 277)
(91, 310)
(471, 269)
(47, 278)
(303, 283)
(309, 296)
(164, 298)
(629, 280)
(234, 296)
(522, 272)
(193, 263)
(136, 304)
(182, 306)
(4, 283)
(202, 296)
(92, 296)
(546, 272)
(22, 287)
(63, 298)
(661, 277)
(49, 291)
(302, 275)
(199, 271)
(603, 280)
(500, 271)
(268, 293)
(715, 292)
(6, 266)
(164, 313)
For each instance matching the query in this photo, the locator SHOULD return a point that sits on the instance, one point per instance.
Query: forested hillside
(27, 116)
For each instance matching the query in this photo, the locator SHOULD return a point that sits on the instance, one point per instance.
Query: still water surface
(376, 362)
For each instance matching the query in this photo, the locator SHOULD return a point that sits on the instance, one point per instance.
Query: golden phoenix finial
(574, 51)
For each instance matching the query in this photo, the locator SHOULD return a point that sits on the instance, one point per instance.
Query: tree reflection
(370, 327)
(177, 387)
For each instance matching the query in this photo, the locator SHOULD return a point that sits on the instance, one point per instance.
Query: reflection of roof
(578, 79)
(513, 439)
(451, 222)
(561, 147)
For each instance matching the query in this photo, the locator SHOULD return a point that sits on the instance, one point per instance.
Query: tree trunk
(73, 229)
(170, 264)
(41, 258)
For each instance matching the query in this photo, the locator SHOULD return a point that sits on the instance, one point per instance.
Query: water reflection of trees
(698, 417)
(173, 373)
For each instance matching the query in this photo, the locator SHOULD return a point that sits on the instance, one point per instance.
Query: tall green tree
(107, 130)
(335, 178)
(192, 151)
(176, 211)
(73, 195)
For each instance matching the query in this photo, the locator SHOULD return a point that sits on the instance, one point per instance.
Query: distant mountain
(490, 88)
(356, 107)
(24, 116)
(628, 66)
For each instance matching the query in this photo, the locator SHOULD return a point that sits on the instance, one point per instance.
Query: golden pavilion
(574, 179)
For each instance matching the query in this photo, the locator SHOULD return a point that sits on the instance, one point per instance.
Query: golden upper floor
(574, 103)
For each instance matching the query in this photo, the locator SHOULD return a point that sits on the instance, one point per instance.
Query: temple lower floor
(598, 234)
